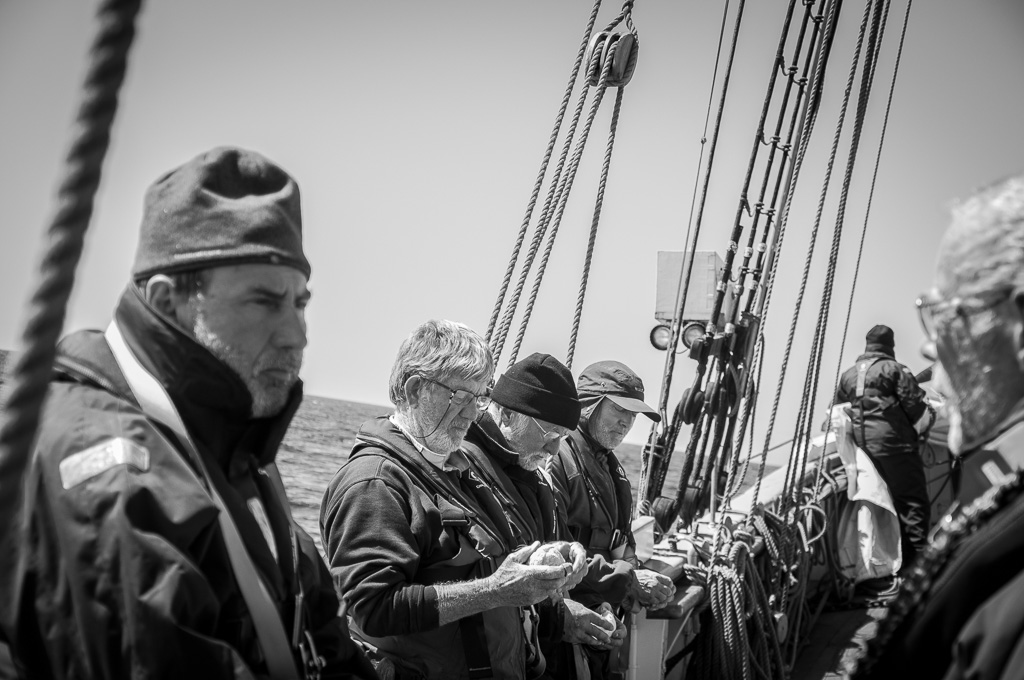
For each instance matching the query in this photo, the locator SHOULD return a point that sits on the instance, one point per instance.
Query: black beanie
(881, 339)
(226, 206)
(542, 387)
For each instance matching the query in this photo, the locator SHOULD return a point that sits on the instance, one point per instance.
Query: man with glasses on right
(959, 613)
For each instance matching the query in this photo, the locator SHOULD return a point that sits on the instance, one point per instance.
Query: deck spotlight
(693, 332)
(660, 337)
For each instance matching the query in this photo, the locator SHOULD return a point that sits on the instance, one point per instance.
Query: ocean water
(321, 437)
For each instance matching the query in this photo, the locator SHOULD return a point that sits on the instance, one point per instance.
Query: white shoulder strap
(157, 404)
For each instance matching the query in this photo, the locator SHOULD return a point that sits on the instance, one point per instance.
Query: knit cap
(226, 206)
(881, 339)
(542, 387)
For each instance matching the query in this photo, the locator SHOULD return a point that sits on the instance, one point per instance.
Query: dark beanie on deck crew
(881, 339)
(226, 206)
(542, 387)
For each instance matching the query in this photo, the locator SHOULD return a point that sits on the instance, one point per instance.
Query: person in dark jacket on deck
(959, 614)
(889, 414)
(534, 406)
(154, 538)
(418, 544)
(595, 498)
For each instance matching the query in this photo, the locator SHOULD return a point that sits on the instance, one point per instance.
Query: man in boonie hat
(157, 540)
(595, 498)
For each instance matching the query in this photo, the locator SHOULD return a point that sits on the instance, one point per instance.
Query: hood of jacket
(213, 401)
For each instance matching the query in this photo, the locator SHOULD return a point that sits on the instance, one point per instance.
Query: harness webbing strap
(266, 618)
(474, 646)
(862, 374)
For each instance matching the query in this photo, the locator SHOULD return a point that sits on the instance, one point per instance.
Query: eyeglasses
(930, 306)
(463, 397)
(549, 435)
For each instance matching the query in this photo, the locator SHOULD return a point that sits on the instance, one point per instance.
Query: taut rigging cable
(610, 62)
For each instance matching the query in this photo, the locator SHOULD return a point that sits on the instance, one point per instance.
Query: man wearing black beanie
(534, 406)
(890, 416)
(157, 540)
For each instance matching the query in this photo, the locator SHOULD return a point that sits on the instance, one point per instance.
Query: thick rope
(108, 60)
(644, 488)
(563, 197)
(806, 412)
(577, 316)
(798, 162)
(871, 195)
(499, 303)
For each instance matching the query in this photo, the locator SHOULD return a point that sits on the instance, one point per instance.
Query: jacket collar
(486, 434)
(213, 401)
(876, 355)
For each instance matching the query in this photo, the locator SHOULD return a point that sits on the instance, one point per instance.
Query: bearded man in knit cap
(155, 539)
(534, 406)
(890, 415)
(595, 499)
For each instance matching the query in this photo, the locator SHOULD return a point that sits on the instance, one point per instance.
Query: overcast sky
(415, 130)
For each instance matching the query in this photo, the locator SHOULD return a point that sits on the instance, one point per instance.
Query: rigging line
(750, 415)
(553, 197)
(830, 17)
(690, 247)
(644, 490)
(543, 172)
(563, 198)
(871, 191)
(730, 253)
(107, 65)
(867, 212)
(685, 280)
(742, 382)
(593, 226)
(867, 75)
(558, 183)
(756, 272)
(790, 69)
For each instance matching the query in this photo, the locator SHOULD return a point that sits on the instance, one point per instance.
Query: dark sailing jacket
(529, 505)
(117, 567)
(393, 525)
(892, 402)
(594, 500)
(970, 622)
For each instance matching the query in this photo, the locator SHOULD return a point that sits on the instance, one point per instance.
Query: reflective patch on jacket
(78, 467)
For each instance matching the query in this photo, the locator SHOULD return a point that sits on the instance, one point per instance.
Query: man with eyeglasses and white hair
(534, 406)
(959, 612)
(418, 545)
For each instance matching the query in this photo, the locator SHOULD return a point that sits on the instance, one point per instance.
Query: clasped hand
(599, 629)
(652, 590)
(519, 584)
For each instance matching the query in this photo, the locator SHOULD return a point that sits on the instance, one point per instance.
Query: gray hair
(984, 247)
(439, 350)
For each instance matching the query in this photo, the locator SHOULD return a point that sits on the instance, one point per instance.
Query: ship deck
(836, 638)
